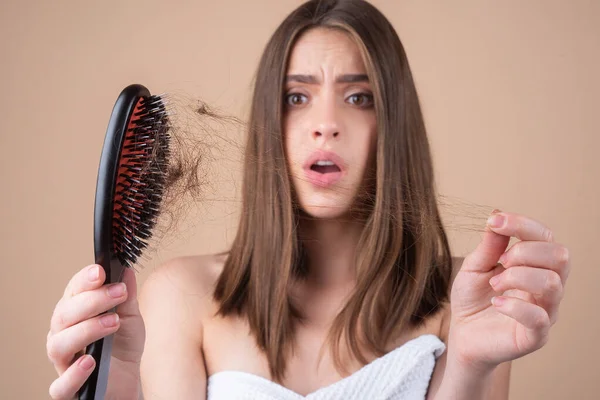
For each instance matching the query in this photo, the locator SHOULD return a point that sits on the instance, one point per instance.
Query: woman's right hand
(75, 324)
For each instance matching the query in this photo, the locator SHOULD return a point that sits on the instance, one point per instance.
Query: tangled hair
(404, 264)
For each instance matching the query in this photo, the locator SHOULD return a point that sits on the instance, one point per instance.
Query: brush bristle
(140, 179)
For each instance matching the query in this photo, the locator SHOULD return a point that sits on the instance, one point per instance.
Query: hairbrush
(129, 189)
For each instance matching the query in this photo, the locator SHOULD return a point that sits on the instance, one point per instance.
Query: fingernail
(94, 273)
(497, 300)
(494, 281)
(503, 258)
(496, 221)
(86, 363)
(496, 211)
(116, 290)
(109, 320)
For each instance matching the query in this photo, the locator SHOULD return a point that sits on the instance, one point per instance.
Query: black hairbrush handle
(100, 350)
(95, 386)
(108, 194)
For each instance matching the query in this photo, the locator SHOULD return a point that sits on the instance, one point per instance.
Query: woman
(340, 273)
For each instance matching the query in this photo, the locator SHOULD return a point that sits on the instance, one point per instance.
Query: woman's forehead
(320, 51)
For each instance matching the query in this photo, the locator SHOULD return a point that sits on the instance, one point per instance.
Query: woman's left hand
(527, 282)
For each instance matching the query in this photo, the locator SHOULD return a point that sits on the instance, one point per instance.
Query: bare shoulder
(187, 279)
(174, 301)
(191, 270)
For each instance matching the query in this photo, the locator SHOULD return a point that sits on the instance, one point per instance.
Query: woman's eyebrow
(312, 80)
(352, 78)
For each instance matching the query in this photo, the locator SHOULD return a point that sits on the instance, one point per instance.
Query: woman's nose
(327, 132)
(327, 124)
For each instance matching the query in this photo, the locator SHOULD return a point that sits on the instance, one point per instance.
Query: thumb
(129, 306)
(485, 256)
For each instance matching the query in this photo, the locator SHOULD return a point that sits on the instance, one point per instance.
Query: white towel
(403, 373)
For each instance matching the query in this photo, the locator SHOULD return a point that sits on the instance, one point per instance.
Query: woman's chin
(324, 211)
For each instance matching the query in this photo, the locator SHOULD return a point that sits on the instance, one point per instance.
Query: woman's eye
(295, 99)
(361, 100)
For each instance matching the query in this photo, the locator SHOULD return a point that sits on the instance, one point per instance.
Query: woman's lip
(323, 180)
(329, 178)
(322, 155)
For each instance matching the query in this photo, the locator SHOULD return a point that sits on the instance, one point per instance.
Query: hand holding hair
(504, 302)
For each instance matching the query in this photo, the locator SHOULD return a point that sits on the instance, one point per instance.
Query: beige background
(510, 93)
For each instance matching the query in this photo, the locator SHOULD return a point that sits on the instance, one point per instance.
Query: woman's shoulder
(193, 270)
(182, 285)
(174, 301)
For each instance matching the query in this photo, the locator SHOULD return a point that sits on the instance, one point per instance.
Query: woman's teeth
(325, 166)
(324, 163)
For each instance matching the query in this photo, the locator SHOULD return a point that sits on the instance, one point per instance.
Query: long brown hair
(404, 262)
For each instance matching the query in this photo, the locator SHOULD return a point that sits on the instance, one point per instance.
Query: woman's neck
(331, 251)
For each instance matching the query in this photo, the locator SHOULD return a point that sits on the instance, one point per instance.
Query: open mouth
(325, 167)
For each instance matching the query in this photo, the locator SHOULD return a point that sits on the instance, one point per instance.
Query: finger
(485, 256)
(62, 346)
(520, 226)
(534, 318)
(72, 310)
(539, 282)
(545, 285)
(88, 278)
(547, 255)
(519, 294)
(67, 385)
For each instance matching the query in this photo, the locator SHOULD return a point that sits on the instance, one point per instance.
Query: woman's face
(329, 122)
